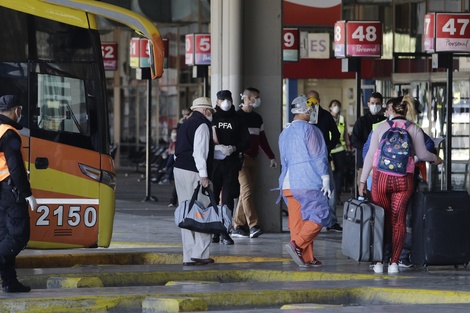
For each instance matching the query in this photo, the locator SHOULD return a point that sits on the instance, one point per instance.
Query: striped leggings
(393, 194)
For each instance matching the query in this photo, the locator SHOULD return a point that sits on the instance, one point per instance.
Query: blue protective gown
(304, 157)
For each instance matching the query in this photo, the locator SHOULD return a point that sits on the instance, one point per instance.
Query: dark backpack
(395, 150)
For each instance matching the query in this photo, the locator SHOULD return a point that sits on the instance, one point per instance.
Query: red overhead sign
(290, 44)
(358, 39)
(429, 32)
(452, 32)
(109, 50)
(139, 51)
(198, 49)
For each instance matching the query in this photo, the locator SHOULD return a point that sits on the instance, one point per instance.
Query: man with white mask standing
(246, 214)
(363, 127)
(231, 138)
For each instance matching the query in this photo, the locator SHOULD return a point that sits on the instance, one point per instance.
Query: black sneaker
(215, 238)
(255, 231)
(240, 233)
(226, 240)
(335, 227)
(405, 263)
(16, 286)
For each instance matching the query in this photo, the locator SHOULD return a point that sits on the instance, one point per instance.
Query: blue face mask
(374, 109)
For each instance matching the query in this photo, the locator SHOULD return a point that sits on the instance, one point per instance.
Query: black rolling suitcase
(440, 228)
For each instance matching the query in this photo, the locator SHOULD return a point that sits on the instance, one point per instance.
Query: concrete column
(226, 47)
(247, 52)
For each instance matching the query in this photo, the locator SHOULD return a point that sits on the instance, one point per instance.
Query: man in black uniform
(363, 127)
(231, 138)
(14, 195)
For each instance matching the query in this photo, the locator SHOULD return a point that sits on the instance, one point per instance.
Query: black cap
(224, 94)
(9, 101)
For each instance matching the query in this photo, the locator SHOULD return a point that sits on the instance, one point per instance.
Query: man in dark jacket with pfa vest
(231, 138)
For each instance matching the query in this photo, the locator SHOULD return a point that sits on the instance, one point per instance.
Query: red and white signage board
(290, 44)
(109, 50)
(198, 49)
(358, 39)
(429, 32)
(339, 41)
(189, 49)
(452, 32)
(139, 53)
(363, 39)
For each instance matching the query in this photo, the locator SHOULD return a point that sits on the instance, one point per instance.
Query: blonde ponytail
(410, 109)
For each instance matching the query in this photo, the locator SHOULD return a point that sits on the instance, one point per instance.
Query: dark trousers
(225, 179)
(14, 231)
(339, 160)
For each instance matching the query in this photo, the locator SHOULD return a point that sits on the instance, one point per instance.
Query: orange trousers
(303, 233)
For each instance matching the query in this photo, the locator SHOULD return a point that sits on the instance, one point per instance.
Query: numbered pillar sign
(189, 49)
(358, 39)
(290, 44)
(109, 50)
(139, 51)
(452, 32)
(339, 41)
(198, 49)
(429, 32)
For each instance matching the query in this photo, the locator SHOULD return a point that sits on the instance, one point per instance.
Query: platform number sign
(358, 39)
(429, 32)
(198, 49)
(452, 32)
(109, 52)
(290, 44)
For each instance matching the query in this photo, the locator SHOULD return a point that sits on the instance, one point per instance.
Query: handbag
(194, 216)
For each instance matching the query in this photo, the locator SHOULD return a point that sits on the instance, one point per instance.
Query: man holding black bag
(193, 161)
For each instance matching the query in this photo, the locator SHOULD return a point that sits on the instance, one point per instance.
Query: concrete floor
(142, 272)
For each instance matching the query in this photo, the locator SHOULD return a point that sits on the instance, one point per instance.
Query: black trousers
(14, 230)
(225, 179)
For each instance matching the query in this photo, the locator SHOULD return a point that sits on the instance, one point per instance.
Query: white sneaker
(393, 268)
(378, 268)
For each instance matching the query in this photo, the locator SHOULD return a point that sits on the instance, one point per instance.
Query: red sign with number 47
(452, 32)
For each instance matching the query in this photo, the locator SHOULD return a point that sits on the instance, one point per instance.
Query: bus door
(63, 156)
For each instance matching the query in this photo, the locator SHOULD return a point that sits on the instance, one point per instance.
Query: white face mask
(257, 103)
(209, 118)
(226, 105)
(391, 116)
(374, 109)
(335, 109)
(173, 137)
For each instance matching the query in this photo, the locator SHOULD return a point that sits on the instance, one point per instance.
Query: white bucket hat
(202, 102)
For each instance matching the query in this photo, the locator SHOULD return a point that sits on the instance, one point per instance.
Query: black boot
(225, 239)
(16, 286)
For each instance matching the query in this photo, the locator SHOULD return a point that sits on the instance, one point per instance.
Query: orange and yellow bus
(51, 58)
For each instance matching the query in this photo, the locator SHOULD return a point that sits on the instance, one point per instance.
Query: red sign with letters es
(363, 39)
(452, 32)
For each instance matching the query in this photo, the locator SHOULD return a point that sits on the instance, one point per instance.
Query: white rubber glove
(273, 163)
(326, 185)
(230, 150)
(32, 202)
(218, 147)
